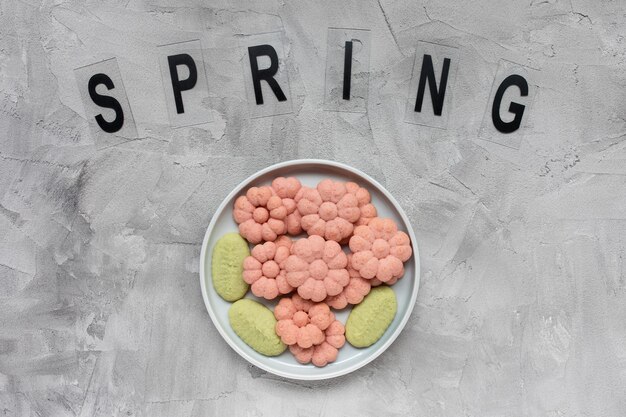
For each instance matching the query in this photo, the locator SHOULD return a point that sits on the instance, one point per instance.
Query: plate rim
(254, 361)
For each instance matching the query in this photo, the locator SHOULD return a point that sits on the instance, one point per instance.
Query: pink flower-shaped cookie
(302, 322)
(325, 352)
(329, 210)
(260, 215)
(263, 269)
(379, 250)
(317, 268)
(354, 292)
(286, 189)
(368, 211)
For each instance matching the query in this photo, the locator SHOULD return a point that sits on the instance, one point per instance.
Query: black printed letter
(266, 74)
(106, 101)
(347, 70)
(515, 108)
(428, 72)
(182, 85)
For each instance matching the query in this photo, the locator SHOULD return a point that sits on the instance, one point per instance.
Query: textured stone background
(522, 306)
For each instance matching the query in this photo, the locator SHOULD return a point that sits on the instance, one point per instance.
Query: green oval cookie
(254, 324)
(227, 266)
(368, 321)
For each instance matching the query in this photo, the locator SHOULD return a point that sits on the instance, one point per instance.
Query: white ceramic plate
(309, 172)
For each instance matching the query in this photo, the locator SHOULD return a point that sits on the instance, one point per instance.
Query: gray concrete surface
(522, 306)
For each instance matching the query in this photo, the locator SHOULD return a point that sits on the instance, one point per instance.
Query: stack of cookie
(314, 249)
